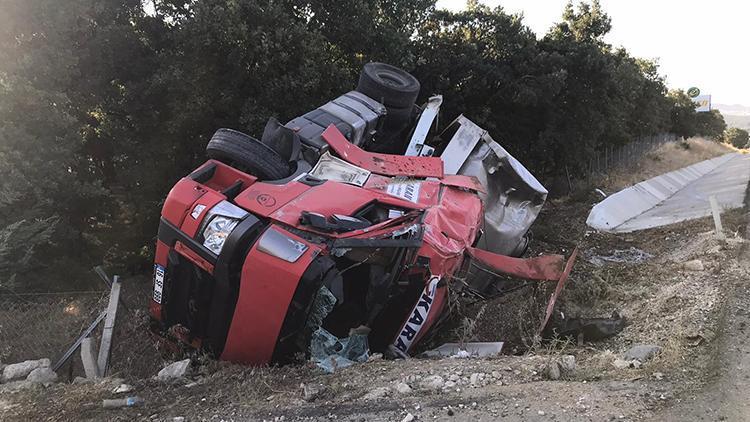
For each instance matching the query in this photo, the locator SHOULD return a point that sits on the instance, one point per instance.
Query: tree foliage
(737, 137)
(104, 104)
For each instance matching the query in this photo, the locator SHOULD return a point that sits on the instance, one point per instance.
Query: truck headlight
(221, 220)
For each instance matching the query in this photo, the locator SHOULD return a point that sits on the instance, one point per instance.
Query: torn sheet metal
(385, 164)
(417, 145)
(558, 289)
(543, 268)
(512, 196)
(676, 196)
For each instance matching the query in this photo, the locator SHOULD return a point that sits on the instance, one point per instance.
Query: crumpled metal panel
(512, 196)
(385, 164)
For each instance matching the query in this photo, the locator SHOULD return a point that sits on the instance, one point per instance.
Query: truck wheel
(247, 154)
(388, 84)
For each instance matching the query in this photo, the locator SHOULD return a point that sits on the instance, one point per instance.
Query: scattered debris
(403, 388)
(432, 382)
(622, 363)
(588, 329)
(123, 388)
(694, 265)
(408, 418)
(463, 350)
(568, 364)
(20, 370)
(631, 255)
(124, 402)
(641, 352)
(310, 392)
(377, 393)
(174, 370)
(332, 353)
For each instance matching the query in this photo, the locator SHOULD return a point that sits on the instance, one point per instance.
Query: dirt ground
(698, 317)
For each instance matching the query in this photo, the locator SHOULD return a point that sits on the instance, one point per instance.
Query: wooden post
(88, 357)
(717, 217)
(109, 325)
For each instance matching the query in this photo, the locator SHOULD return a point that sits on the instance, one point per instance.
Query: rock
(552, 371)
(123, 388)
(403, 388)
(454, 377)
(432, 382)
(310, 392)
(408, 418)
(23, 369)
(641, 352)
(541, 413)
(174, 370)
(622, 364)
(14, 386)
(377, 393)
(658, 376)
(475, 379)
(178, 419)
(449, 384)
(375, 356)
(568, 364)
(694, 265)
(82, 380)
(44, 375)
(714, 250)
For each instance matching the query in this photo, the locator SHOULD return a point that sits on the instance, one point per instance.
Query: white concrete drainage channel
(676, 196)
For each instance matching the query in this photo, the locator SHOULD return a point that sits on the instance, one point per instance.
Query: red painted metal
(465, 182)
(385, 164)
(267, 287)
(543, 268)
(266, 198)
(180, 200)
(191, 225)
(224, 176)
(558, 288)
(334, 198)
(193, 257)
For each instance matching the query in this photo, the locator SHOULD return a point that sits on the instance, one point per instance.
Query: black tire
(388, 84)
(398, 118)
(247, 154)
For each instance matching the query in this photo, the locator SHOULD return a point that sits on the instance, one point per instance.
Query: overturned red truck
(357, 201)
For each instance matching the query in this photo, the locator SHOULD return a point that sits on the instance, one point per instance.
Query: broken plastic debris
(621, 256)
(464, 350)
(332, 353)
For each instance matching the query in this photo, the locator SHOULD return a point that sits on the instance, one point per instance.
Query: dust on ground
(691, 314)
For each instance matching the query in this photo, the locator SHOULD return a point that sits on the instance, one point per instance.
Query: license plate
(158, 282)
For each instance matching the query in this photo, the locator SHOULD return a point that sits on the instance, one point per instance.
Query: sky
(696, 43)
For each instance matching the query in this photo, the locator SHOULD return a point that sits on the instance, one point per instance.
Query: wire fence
(45, 324)
(614, 157)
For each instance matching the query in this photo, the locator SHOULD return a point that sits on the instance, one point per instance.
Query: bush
(739, 138)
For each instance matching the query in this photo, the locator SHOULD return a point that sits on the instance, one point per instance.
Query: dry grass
(668, 157)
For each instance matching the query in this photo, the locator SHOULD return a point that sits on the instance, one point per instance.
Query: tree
(739, 138)
(55, 72)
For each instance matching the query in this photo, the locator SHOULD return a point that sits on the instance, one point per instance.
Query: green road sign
(693, 92)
